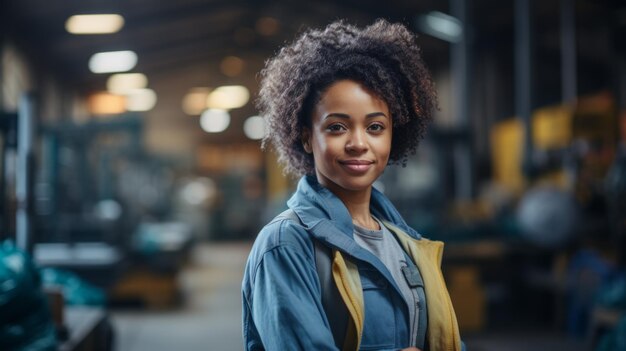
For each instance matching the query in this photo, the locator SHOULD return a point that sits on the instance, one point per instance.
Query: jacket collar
(328, 219)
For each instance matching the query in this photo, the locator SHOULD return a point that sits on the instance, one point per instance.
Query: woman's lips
(357, 166)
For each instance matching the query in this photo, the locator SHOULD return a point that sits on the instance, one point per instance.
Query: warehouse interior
(133, 186)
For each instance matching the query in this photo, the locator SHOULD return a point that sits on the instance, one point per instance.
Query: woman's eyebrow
(338, 115)
(347, 116)
(376, 114)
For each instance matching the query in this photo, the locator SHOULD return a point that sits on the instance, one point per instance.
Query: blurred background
(132, 182)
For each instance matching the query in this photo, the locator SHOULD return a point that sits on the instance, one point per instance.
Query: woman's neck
(358, 204)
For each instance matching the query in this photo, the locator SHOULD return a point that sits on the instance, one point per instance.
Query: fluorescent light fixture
(195, 101)
(123, 83)
(254, 127)
(141, 100)
(228, 97)
(441, 26)
(214, 120)
(94, 24)
(112, 61)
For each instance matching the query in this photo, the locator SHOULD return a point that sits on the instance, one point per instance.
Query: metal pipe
(24, 171)
(568, 53)
(523, 82)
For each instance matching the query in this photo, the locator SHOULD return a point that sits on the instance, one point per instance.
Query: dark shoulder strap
(335, 309)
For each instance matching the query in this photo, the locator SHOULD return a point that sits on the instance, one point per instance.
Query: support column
(569, 81)
(462, 152)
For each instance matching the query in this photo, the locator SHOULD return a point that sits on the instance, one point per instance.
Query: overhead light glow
(442, 26)
(94, 24)
(141, 100)
(104, 103)
(228, 97)
(195, 101)
(254, 127)
(123, 83)
(214, 120)
(112, 61)
(232, 66)
(267, 26)
(199, 191)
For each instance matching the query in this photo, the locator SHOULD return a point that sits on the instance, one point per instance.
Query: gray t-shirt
(384, 245)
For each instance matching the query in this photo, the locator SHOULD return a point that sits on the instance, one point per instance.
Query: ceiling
(171, 34)
(181, 42)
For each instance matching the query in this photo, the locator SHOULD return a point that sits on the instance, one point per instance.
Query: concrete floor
(210, 318)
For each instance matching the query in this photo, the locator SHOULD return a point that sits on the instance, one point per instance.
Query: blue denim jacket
(282, 308)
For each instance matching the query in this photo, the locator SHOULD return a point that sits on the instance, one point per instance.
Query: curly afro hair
(383, 57)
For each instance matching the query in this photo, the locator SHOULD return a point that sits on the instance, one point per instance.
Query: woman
(341, 269)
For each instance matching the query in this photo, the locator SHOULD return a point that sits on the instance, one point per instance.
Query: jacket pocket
(379, 329)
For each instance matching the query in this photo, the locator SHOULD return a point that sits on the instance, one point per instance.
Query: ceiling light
(112, 61)
(195, 101)
(141, 100)
(228, 97)
(232, 66)
(254, 127)
(94, 24)
(214, 120)
(104, 103)
(123, 83)
(440, 25)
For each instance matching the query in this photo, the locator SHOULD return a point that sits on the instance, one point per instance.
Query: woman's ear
(306, 140)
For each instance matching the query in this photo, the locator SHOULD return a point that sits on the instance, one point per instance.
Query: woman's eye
(377, 127)
(335, 128)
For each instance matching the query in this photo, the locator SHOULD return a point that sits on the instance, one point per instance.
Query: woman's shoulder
(284, 231)
(282, 247)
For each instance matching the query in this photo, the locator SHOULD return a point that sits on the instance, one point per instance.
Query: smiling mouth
(357, 166)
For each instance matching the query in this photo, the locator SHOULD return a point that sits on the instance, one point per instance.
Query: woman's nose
(356, 142)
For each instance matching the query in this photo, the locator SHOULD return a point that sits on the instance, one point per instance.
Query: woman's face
(350, 137)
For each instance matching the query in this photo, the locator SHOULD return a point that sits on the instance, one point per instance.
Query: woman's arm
(285, 302)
